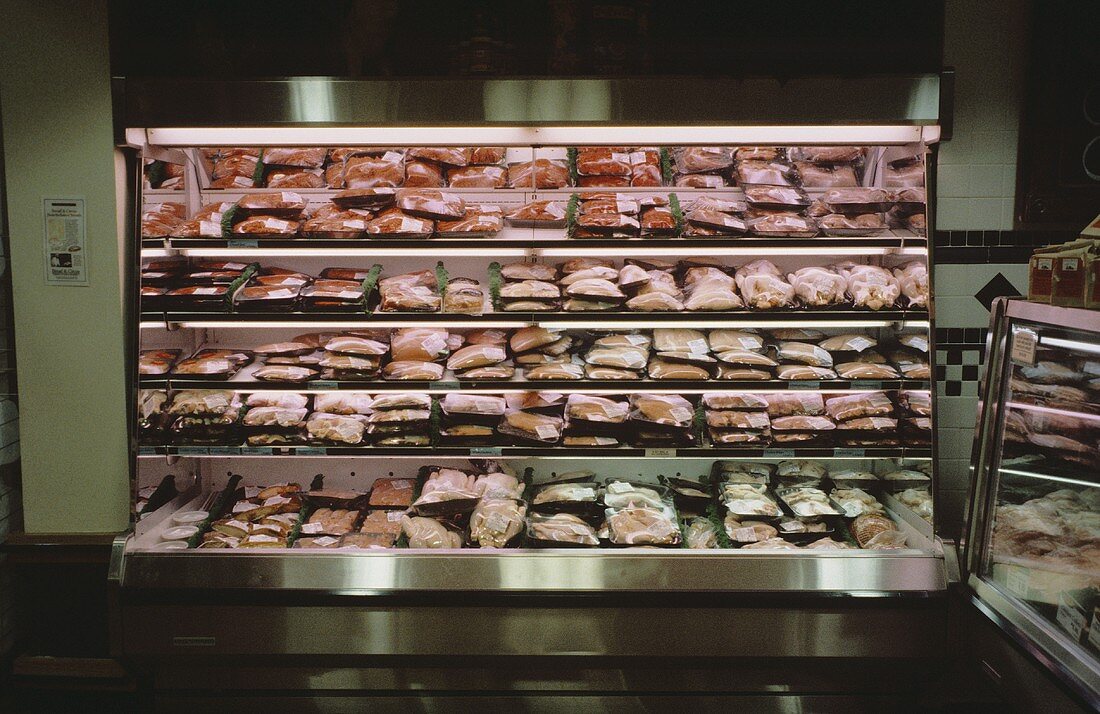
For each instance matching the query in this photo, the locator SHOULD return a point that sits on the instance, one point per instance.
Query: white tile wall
(976, 183)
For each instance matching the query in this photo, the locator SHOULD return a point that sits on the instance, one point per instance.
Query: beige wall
(56, 112)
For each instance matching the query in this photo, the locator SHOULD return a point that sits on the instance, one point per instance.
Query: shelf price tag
(242, 243)
(849, 453)
(779, 453)
(1070, 617)
(866, 384)
(323, 384)
(485, 451)
(804, 385)
(192, 450)
(1024, 342)
(1018, 581)
(257, 451)
(310, 451)
(444, 386)
(147, 451)
(660, 453)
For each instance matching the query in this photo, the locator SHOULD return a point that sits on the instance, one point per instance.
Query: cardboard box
(1040, 275)
(1069, 283)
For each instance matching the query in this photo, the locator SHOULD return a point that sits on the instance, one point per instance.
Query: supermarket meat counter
(397, 401)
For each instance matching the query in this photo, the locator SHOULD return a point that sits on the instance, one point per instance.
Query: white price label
(1070, 618)
(546, 431)
(660, 453)
(1018, 581)
(745, 535)
(311, 528)
(1024, 342)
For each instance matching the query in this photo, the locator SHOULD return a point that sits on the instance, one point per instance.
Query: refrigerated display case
(682, 367)
(1034, 514)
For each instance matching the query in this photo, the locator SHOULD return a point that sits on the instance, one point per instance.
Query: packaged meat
(781, 223)
(497, 522)
(560, 530)
(701, 534)
(538, 428)
(862, 404)
(848, 343)
(385, 171)
(865, 370)
(368, 198)
(608, 223)
(282, 400)
(757, 172)
(861, 224)
(399, 224)
(800, 372)
(419, 343)
(913, 280)
(919, 403)
(819, 176)
(294, 178)
(284, 203)
(392, 493)
(265, 226)
(531, 338)
(716, 220)
(803, 423)
(776, 197)
(436, 205)
(401, 400)
(742, 531)
(336, 428)
(541, 213)
(759, 153)
(602, 161)
(232, 182)
(858, 200)
(591, 408)
(205, 228)
(870, 286)
(274, 416)
(429, 533)
(554, 371)
(284, 373)
(735, 400)
(702, 159)
(487, 154)
(452, 156)
(310, 158)
(762, 287)
(476, 356)
(804, 353)
(667, 410)
(642, 525)
(530, 290)
(904, 174)
(238, 166)
(154, 362)
(413, 370)
(472, 404)
(658, 368)
(539, 173)
(875, 531)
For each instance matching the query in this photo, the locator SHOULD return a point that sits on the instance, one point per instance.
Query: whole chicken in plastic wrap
(710, 289)
(496, 521)
(870, 286)
(913, 279)
(818, 287)
(762, 286)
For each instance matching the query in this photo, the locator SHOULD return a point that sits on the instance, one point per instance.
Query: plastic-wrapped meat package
(429, 533)
(772, 173)
(904, 175)
(853, 225)
(309, 158)
(782, 223)
(700, 181)
(762, 285)
(541, 211)
(645, 175)
(496, 522)
(285, 204)
(817, 176)
(487, 155)
(818, 287)
(336, 427)
(913, 280)
(602, 161)
(874, 532)
(419, 343)
(423, 174)
(436, 205)
(265, 226)
(453, 156)
(477, 177)
(387, 170)
(702, 159)
(870, 286)
(394, 222)
(294, 178)
(642, 525)
(540, 173)
(446, 484)
(864, 404)
(710, 289)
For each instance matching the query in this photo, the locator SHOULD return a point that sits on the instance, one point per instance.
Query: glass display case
(1033, 550)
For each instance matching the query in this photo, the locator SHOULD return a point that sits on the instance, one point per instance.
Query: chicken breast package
(863, 404)
(560, 530)
(643, 525)
(424, 344)
(665, 410)
(804, 353)
(540, 428)
(447, 490)
(337, 428)
(586, 407)
(472, 404)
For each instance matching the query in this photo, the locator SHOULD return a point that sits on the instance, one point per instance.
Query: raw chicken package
(497, 523)
(763, 287)
(560, 530)
(446, 491)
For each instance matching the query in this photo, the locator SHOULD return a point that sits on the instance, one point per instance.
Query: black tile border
(992, 246)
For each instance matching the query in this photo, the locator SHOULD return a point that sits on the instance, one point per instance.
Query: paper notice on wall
(66, 250)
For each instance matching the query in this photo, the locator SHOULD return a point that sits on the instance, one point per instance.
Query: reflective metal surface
(1067, 663)
(577, 630)
(552, 571)
(457, 102)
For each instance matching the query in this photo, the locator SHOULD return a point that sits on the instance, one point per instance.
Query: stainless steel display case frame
(203, 610)
(1022, 624)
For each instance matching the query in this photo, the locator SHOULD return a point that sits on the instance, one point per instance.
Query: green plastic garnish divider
(221, 503)
(571, 208)
(677, 212)
(229, 217)
(259, 171)
(496, 280)
(571, 154)
(666, 165)
(240, 282)
(370, 284)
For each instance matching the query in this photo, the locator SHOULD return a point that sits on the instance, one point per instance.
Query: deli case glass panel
(1034, 550)
(656, 351)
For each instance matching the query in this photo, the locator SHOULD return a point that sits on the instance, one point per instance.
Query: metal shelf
(542, 240)
(823, 318)
(893, 452)
(579, 386)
